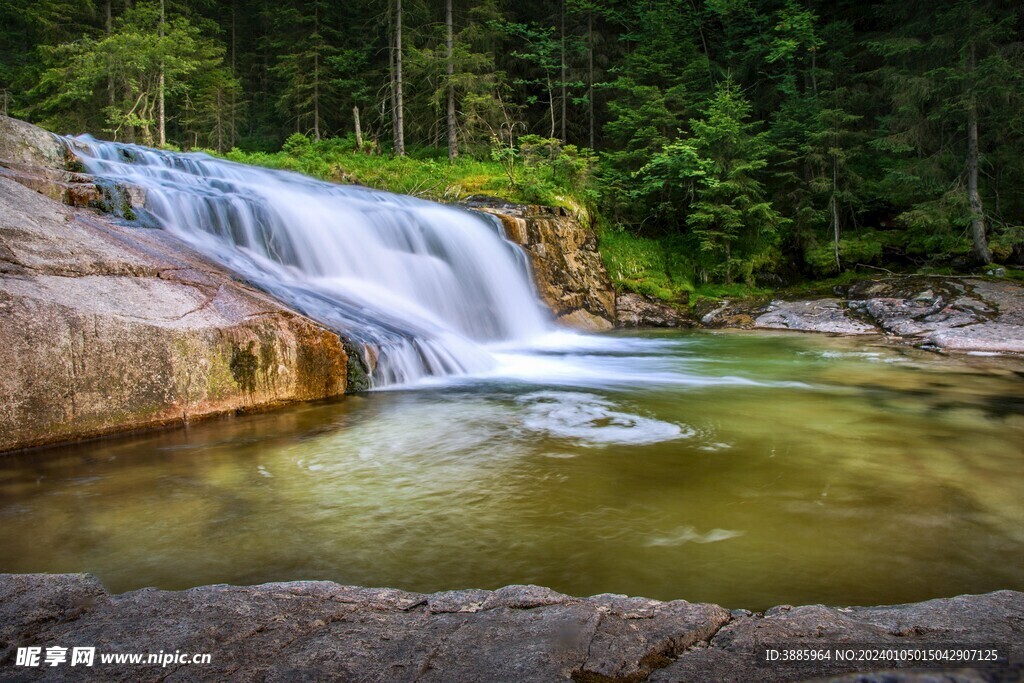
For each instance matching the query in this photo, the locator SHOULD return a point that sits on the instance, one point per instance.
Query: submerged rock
(321, 630)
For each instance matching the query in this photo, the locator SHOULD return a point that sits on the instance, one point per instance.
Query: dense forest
(728, 141)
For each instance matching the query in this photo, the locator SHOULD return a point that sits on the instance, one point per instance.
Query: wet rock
(637, 310)
(957, 314)
(926, 295)
(567, 267)
(48, 165)
(740, 314)
(108, 328)
(319, 630)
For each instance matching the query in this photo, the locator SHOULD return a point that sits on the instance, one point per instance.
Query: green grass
(1014, 274)
(643, 265)
(662, 269)
(425, 172)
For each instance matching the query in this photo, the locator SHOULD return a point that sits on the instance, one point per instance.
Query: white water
(427, 285)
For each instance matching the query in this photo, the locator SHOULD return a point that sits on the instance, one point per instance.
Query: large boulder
(23, 143)
(106, 327)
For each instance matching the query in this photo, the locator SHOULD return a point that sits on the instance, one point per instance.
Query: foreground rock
(567, 267)
(106, 327)
(321, 630)
(947, 313)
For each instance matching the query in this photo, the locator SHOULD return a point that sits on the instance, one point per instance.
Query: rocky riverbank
(109, 326)
(942, 313)
(935, 312)
(319, 630)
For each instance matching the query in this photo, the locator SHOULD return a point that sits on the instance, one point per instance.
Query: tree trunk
(453, 132)
(399, 115)
(391, 77)
(551, 106)
(160, 120)
(233, 121)
(728, 263)
(316, 74)
(220, 121)
(590, 77)
(981, 249)
(359, 130)
(562, 28)
(108, 24)
(835, 231)
(834, 203)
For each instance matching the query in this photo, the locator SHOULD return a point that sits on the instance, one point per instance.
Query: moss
(74, 164)
(358, 372)
(244, 366)
(320, 363)
(114, 200)
(220, 381)
(268, 359)
(126, 207)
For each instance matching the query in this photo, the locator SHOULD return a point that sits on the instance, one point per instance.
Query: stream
(747, 469)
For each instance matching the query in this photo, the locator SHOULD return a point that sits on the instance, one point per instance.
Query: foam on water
(590, 420)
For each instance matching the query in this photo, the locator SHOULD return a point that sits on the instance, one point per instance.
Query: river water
(744, 469)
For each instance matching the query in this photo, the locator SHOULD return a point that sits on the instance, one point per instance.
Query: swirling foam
(592, 420)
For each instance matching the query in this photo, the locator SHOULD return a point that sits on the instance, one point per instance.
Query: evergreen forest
(714, 143)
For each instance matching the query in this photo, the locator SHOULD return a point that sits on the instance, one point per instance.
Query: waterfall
(428, 287)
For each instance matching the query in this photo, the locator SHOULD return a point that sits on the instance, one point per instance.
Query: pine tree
(730, 216)
(950, 73)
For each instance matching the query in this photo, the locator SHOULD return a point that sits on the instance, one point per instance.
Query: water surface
(744, 469)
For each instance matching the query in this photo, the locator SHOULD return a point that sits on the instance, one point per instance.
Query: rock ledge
(936, 312)
(321, 630)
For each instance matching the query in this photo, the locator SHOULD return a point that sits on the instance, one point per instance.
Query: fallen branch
(884, 270)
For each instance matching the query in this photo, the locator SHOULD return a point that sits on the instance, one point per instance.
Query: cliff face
(567, 267)
(106, 327)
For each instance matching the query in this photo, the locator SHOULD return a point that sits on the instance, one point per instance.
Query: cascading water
(425, 285)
